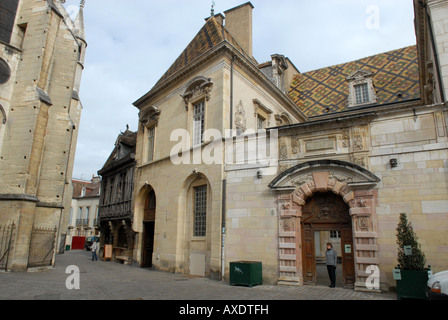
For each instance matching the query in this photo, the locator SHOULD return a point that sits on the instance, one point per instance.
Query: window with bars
(198, 124)
(150, 152)
(362, 93)
(200, 211)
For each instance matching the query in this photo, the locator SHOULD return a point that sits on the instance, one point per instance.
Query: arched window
(5, 71)
(2, 115)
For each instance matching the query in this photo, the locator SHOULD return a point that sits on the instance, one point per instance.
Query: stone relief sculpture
(240, 117)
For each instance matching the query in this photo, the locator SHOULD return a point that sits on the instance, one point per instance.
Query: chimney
(239, 23)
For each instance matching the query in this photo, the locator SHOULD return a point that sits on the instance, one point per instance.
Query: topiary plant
(406, 237)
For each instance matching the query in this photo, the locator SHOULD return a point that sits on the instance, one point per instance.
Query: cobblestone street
(112, 281)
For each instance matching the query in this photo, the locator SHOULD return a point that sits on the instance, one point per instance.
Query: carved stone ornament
(358, 143)
(199, 87)
(283, 152)
(364, 223)
(295, 144)
(240, 117)
(304, 180)
(282, 119)
(150, 117)
(345, 139)
(340, 178)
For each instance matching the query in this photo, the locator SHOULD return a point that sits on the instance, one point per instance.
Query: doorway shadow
(322, 275)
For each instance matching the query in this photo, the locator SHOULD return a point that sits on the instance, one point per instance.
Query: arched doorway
(326, 218)
(149, 223)
(296, 188)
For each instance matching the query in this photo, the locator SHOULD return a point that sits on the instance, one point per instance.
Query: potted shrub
(410, 274)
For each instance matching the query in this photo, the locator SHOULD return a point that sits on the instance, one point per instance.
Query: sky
(132, 43)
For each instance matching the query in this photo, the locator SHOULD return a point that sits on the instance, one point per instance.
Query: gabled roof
(127, 139)
(211, 35)
(325, 91)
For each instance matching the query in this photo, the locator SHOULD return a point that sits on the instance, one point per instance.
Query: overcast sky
(132, 43)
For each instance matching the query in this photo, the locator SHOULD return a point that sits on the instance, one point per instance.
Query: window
(5, 71)
(199, 122)
(200, 211)
(335, 234)
(151, 139)
(362, 93)
(361, 88)
(261, 123)
(262, 115)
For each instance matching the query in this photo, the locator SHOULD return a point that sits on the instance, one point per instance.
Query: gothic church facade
(42, 53)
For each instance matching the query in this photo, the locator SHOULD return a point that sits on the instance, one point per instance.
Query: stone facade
(40, 120)
(372, 144)
(83, 220)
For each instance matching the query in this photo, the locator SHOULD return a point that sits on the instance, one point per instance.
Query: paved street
(112, 281)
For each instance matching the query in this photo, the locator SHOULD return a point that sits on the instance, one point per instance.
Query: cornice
(228, 50)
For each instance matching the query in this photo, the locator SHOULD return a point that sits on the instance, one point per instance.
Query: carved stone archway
(356, 187)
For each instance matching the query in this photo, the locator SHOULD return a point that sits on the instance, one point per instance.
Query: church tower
(42, 52)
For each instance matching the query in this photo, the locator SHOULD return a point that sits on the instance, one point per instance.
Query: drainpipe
(231, 92)
(223, 228)
(224, 182)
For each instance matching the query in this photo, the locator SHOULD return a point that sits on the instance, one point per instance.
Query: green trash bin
(67, 247)
(246, 273)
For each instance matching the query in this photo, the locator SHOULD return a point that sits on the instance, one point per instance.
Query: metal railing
(6, 240)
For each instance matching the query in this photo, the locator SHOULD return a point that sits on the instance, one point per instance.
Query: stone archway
(354, 185)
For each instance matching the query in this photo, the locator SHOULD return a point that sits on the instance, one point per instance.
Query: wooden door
(148, 243)
(326, 212)
(348, 261)
(308, 255)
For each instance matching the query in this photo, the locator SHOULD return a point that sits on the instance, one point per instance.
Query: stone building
(346, 150)
(42, 54)
(83, 220)
(115, 215)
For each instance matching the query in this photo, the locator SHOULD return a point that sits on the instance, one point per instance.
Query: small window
(200, 211)
(361, 88)
(151, 140)
(261, 123)
(335, 234)
(362, 93)
(199, 123)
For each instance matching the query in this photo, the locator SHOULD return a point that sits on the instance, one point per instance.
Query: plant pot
(412, 284)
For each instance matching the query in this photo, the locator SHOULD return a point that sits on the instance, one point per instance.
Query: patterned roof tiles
(210, 35)
(326, 90)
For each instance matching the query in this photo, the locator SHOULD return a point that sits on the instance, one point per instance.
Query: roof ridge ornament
(212, 14)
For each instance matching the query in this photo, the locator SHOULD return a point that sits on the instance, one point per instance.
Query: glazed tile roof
(210, 35)
(326, 90)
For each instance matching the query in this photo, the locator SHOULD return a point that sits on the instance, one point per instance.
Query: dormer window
(361, 89)
(362, 93)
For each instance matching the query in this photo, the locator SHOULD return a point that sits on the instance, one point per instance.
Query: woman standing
(332, 262)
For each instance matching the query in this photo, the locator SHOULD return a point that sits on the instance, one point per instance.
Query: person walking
(332, 262)
(94, 248)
